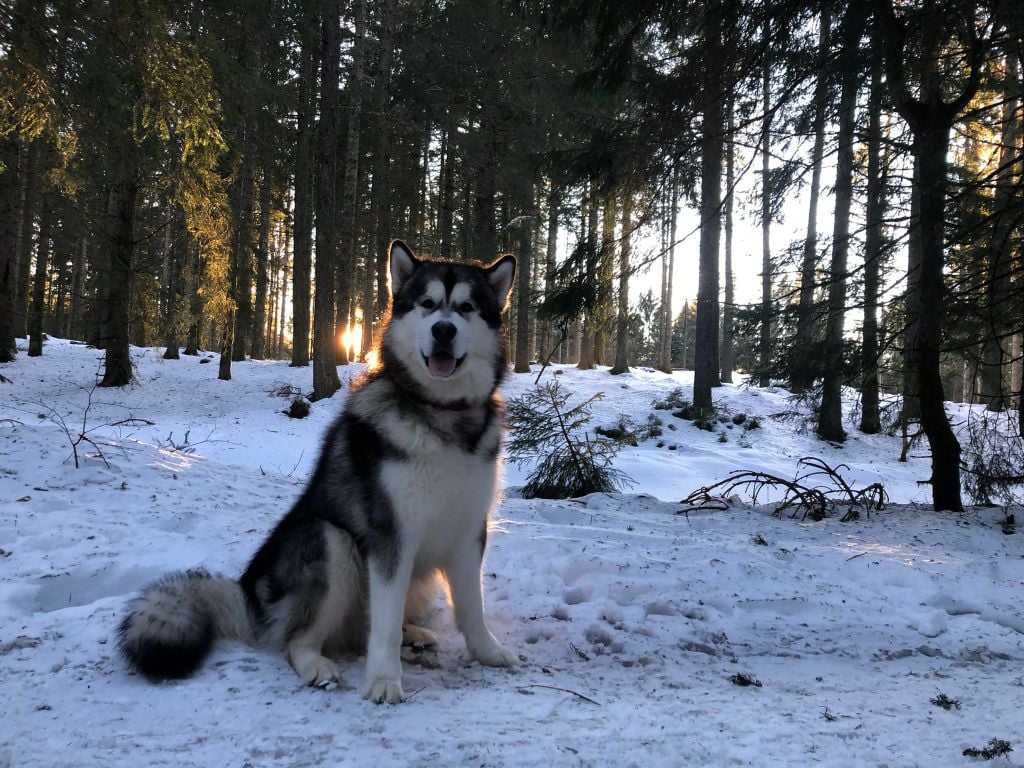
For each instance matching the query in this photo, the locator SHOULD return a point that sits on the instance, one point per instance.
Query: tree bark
(75, 325)
(622, 318)
(36, 308)
(930, 117)
(666, 363)
(930, 148)
(998, 277)
(874, 248)
(589, 237)
(604, 309)
(830, 414)
(325, 371)
(348, 209)
(524, 299)
(259, 318)
(799, 376)
(175, 268)
(226, 340)
(705, 363)
(10, 212)
(765, 340)
(554, 203)
(374, 306)
(242, 256)
(727, 357)
(303, 225)
(194, 259)
(120, 234)
(30, 196)
(446, 212)
(484, 244)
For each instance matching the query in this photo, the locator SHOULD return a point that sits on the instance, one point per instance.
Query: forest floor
(636, 622)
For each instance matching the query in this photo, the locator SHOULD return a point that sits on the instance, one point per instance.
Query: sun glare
(352, 339)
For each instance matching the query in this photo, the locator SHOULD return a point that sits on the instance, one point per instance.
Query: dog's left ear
(500, 275)
(401, 264)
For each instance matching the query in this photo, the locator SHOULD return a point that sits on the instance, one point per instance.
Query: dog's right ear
(401, 264)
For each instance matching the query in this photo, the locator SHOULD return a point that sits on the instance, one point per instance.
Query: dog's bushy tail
(170, 628)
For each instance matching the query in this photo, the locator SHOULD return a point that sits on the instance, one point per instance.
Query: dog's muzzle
(441, 363)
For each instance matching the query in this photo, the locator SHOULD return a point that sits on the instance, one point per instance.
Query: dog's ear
(500, 275)
(401, 264)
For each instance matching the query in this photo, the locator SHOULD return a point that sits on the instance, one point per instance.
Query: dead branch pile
(816, 492)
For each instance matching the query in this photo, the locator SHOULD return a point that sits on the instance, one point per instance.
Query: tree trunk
(727, 358)
(765, 340)
(348, 210)
(194, 259)
(524, 299)
(35, 315)
(446, 212)
(666, 362)
(10, 211)
(175, 268)
(589, 237)
(930, 118)
(325, 371)
(283, 298)
(226, 340)
(120, 234)
(484, 245)
(75, 326)
(259, 319)
(930, 148)
(30, 204)
(62, 257)
(374, 306)
(830, 415)
(604, 311)
(800, 376)
(874, 247)
(705, 362)
(242, 256)
(303, 224)
(622, 318)
(998, 278)
(554, 203)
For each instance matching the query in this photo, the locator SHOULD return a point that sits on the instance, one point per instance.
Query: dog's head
(445, 327)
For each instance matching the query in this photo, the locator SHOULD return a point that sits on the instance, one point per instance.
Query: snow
(631, 617)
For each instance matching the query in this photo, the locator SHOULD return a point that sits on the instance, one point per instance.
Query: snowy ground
(631, 617)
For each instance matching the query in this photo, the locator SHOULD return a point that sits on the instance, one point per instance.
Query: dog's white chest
(439, 495)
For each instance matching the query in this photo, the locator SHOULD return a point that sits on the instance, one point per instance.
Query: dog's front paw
(381, 690)
(496, 655)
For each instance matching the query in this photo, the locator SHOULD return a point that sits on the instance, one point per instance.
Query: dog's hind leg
(337, 606)
(421, 595)
(414, 635)
(463, 574)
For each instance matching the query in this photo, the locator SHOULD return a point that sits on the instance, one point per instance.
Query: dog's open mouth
(441, 364)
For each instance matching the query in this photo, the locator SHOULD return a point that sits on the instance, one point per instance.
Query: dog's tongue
(441, 365)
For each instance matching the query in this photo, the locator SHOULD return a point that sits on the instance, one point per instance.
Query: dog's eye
(428, 304)
(465, 307)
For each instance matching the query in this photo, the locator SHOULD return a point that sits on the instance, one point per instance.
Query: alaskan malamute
(400, 496)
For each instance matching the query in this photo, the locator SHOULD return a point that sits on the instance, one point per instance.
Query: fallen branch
(798, 496)
(563, 690)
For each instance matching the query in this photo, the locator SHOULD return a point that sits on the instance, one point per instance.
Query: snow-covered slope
(632, 618)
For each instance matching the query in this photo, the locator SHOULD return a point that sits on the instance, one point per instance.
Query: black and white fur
(401, 494)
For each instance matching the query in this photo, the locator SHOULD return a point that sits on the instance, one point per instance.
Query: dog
(399, 499)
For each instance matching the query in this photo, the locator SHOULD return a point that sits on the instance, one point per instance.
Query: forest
(228, 176)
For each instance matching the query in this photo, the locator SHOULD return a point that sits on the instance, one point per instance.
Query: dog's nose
(443, 331)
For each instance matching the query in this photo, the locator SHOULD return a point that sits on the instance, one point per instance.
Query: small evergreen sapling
(570, 463)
